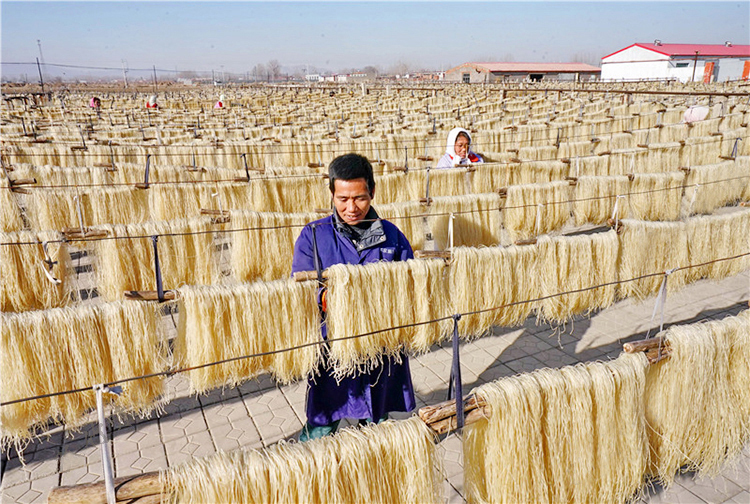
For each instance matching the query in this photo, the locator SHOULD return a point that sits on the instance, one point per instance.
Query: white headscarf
(152, 100)
(451, 143)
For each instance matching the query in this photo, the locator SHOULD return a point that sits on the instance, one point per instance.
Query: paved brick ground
(259, 413)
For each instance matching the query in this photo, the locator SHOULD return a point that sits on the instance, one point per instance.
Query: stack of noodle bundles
(568, 263)
(411, 217)
(647, 248)
(68, 348)
(185, 256)
(290, 194)
(23, 284)
(594, 198)
(264, 248)
(10, 212)
(590, 166)
(713, 186)
(222, 322)
(534, 209)
(655, 196)
(718, 236)
(376, 296)
(575, 434)
(489, 278)
(394, 462)
(698, 407)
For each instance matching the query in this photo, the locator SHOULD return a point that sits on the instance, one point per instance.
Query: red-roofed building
(683, 62)
(495, 72)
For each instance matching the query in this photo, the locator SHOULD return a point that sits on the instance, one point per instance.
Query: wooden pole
(126, 489)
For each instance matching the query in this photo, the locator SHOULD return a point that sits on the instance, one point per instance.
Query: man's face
(461, 146)
(351, 199)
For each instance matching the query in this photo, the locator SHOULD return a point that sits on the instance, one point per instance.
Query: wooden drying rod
(80, 234)
(145, 488)
(656, 349)
(150, 295)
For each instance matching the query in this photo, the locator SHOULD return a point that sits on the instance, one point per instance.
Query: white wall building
(683, 62)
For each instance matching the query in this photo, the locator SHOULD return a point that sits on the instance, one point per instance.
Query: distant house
(683, 62)
(499, 72)
(314, 78)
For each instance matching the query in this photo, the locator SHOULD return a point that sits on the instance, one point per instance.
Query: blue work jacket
(387, 387)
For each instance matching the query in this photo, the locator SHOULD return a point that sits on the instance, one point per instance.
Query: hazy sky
(336, 35)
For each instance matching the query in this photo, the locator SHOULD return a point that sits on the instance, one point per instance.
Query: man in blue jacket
(354, 234)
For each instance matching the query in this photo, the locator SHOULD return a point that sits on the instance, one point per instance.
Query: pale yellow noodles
(185, 256)
(69, 348)
(574, 434)
(387, 294)
(698, 398)
(221, 322)
(392, 462)
(23, 284)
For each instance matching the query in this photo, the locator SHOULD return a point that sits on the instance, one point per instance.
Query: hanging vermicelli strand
(388, 294)
(717, 185)
(395, 461)
(10, 212)
(484, 278)
(70, 348)
(535, 209)
(266, 249)
(594, 199)
(569, 263)
(651, 247)
(655, 196)
(574, 434)
(247, 319)
(697, 399)
(23, 283)
(713, 236)
(186, 256)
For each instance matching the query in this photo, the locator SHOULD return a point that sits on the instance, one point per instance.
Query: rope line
(172, 372)
(400, 217)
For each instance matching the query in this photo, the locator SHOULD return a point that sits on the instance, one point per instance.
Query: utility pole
(125, 72)
(155, 84)
(41, 79)
(41, 56)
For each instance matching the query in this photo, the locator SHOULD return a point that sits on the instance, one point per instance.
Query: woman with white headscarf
(458, 150)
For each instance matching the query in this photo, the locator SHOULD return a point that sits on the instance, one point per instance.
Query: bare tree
(259, 72)
(274, 69)
(400, 68)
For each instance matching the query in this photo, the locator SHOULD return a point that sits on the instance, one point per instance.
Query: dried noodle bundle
(392, 462)
(574, 434)
(23, 284)
(388, 294)
(221, 322)
(69, 348)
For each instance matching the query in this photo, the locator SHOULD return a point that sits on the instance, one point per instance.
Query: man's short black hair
(350, 167)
